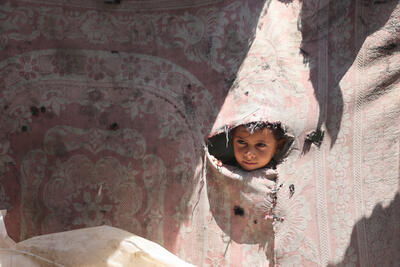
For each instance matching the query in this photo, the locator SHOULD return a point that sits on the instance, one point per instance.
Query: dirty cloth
(106, 106)
(95, 246)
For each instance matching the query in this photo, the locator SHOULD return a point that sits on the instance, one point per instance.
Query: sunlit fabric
(107, 108)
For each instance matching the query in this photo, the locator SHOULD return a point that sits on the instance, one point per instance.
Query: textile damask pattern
(89, 166)
(105, 106)
(217, 35)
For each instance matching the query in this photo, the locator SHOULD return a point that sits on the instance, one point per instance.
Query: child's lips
(249, 163)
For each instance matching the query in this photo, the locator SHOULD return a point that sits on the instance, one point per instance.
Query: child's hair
(275, 127)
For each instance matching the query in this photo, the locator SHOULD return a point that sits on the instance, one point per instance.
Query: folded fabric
(96, 246)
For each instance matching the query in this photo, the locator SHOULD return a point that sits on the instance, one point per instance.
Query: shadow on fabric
(331, 44)
(382, 233)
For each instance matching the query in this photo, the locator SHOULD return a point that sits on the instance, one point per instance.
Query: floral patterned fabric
(105, 106)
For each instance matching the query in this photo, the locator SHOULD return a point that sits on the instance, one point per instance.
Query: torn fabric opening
(220, 146)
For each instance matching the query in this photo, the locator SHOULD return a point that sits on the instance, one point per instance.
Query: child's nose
(249, 155)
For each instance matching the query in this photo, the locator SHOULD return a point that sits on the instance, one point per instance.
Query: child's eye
(241, 142)
(261, 145)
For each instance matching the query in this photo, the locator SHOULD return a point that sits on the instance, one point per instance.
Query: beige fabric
(10, 257)
(5, 240)
(97, 246)
(15, 258)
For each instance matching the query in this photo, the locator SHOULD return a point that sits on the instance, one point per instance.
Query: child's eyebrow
(237, 136)
(258, 141)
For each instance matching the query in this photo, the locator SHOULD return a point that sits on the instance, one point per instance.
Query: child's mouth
(249, 163)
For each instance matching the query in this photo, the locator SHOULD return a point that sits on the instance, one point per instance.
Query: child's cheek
(239, 151)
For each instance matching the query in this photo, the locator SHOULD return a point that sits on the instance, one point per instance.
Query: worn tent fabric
(105, 106)
(267, 88)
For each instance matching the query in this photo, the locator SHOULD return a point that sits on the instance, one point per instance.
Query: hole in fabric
(221, 147)
(114, 126)
(115, 2)
(238, 211)
(35, 111)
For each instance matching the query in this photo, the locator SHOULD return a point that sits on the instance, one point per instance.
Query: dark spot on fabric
(291, 189)
(35, 111)
(24, 128)
(189, 86)
(265, 66)
(377, 2)
(390, 46)
(255, 221)
(114, 126)
(387, 48)
(306, 147)
(229, 81)
(5, 107)
(246, 93)
(209, 46)
(238, 210)
(304, 52)
(111, 2)
(316, 137)
(42, 109)
(114, 52)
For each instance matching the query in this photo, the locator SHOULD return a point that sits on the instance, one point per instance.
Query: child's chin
(249, 168)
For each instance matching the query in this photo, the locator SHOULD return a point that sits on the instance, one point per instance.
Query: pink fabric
(105, 108)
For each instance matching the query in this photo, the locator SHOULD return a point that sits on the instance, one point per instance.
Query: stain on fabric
(387, 49)
(35, 111)
(112, 2)
(208, 48)
(378, 2)
(239, 211)
(316, 137)
(114, 126)
(265, 66)
(291, 190)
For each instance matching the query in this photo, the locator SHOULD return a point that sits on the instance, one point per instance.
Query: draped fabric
(106, 107)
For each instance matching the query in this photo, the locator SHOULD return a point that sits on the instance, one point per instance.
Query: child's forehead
(244, 132)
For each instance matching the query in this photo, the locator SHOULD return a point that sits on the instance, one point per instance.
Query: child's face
(253, 151)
